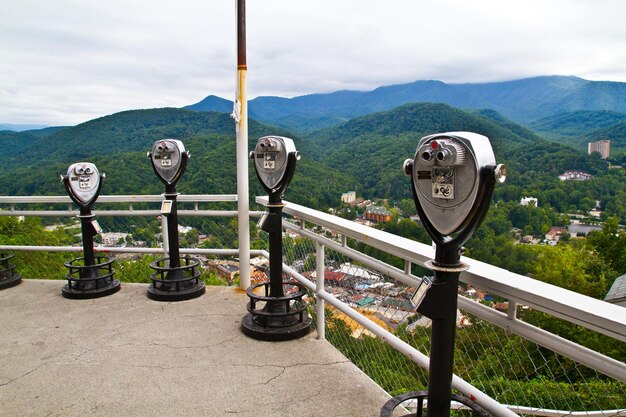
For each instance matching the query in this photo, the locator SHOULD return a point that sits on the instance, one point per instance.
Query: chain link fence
(503, 365)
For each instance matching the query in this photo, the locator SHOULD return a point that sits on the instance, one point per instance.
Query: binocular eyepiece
(83, 169)
(268, 144)
(169, 160)
(163, 146)
(443, 152)
(274, 161)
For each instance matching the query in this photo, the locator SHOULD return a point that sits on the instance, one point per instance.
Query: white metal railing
(588, 312)
(595, 360)
(11, 201)
(593, 314)
(575, 308)
(130, 211)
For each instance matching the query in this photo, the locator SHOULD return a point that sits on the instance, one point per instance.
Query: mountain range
(564, 109)
(363, 152)
(522, 101)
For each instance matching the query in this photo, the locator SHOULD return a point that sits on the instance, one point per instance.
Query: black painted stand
(89, 276)
(440, 306)
(440, 303)
(282, 315)
(8, 276)
(174, 280)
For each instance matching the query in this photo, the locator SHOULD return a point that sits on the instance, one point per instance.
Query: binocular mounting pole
(90, 276)
(172, 280)
(283, 316)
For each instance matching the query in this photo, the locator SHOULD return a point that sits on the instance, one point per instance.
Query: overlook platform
(127, 355)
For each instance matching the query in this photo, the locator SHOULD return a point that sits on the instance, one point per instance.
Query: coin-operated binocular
(280, 313)
(453, 176)
(172, 280)
(89, 276)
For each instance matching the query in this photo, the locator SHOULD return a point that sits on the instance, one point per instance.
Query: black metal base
(420, 396)
(83, 294)
(180, 295)
(274, 334)
(8, 277)
(175, 283)
(9, 282)
(281, 318)
(90, 281)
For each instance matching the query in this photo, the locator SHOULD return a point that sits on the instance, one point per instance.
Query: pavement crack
(315, 395)
(283, 368)
(276, 377)
(225, 341)
(21, 376)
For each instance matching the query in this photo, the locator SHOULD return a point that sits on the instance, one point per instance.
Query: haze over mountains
(522, 101)
(565, 109)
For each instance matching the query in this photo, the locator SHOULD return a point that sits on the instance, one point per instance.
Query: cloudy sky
(63, 62)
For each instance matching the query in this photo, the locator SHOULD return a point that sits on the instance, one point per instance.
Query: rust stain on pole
(241, 35)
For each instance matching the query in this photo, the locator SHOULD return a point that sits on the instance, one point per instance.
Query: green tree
(568, 267)
(610, 244)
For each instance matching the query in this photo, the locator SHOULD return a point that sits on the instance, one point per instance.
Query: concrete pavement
(126, 355)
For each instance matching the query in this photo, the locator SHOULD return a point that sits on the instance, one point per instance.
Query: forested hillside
(577, 123)
(372, 148)
(117, 144)
(365, 154)
(15, 142)
(579, 128)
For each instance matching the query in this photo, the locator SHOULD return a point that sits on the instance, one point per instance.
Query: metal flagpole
(240, 114)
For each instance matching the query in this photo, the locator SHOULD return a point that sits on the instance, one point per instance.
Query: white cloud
(65, 62)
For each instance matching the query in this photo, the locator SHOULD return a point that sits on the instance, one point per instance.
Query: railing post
(512, 311)
(319, 286)
(407, 267)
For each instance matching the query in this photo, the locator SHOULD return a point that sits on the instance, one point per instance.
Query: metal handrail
(581, 354)
(125, 249)
(597, 315)
(156, 198)
(129, 199)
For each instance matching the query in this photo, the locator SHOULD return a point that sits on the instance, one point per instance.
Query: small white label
(269, 164)
(83, 184)
(166, 162)
(96, 226)
(445, 191)
(166, 207)
(420, 293)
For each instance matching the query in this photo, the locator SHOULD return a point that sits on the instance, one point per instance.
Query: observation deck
(125, 354)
